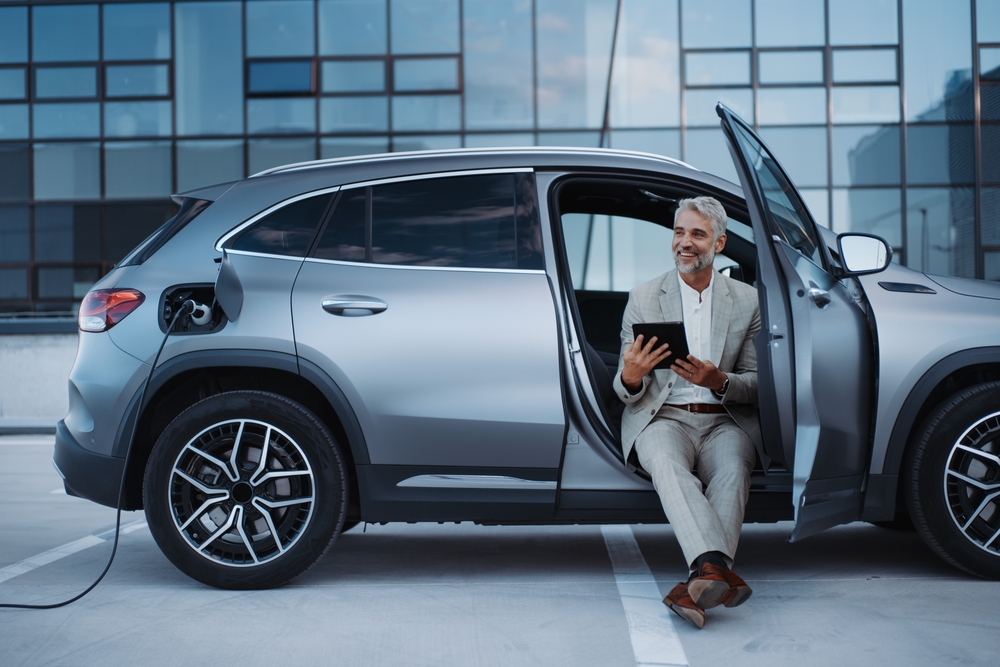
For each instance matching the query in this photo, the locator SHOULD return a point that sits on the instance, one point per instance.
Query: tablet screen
(665, 332)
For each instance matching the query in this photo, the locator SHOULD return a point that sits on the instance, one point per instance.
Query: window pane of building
(988, 20)
(989, 64)
(938, 61)
(989, 208)
(128, 225)
(64, 283)
(137, 169)
(137, 119)
(280, 28)
(136, 81)
(352, 27)
(496, 64)
(939, 154)
(208, 67)
(486, 140)
(67, 171)
(661, 142)
(348, 146)
(790, 67)
(790, 22)
(870, 210)
(14, 172)
(205, 162)
(461, 221)
(288, 231)
(65, 82)
(866, 155)
(291, 76)
(990, 153)
(353, 76)
(268, 153)
(424, 26)
(863, 65)
(354, 114)
(344, 236)
(863, 22)
(582, 139)
(817, 201)
(430, 142)
(717, 69)
(139, 31)
(425, 74)
(56, 121)
(573, 53)
(13, 34)
(645, 88)
(940, 230)
(281, 116)
(12, 84)
(67, 232)
(716, 23)
(426, 112)
(64, 32)
(700, 105)
(865, 104)
(13, 284)
(707, 150)
(14, 243)
(989, 103)
(802, 151)
(13, 121)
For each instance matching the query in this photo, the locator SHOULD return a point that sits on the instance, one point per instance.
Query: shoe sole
(741, 596)
(707, 593)
(690, 615)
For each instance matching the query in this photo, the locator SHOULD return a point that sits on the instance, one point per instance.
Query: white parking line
(52, 555)
(650, 623)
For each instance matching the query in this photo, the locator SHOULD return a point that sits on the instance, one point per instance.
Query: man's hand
(696, 371)
(640, 360)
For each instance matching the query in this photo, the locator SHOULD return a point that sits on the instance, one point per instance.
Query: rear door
(815, 349)
(426, 300)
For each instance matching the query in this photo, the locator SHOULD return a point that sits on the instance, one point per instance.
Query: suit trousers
(705, 507)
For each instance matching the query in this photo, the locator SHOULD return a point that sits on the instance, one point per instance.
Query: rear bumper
(86, 474)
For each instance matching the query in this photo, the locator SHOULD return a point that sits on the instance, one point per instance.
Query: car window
(789, 219)
(287, 231)
(344, 236)
(464, 221)
(616, 253)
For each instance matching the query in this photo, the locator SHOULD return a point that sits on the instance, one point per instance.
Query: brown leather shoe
(681, 604)
(713, 585)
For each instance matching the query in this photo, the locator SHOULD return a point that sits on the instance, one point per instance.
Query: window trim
(225, 238)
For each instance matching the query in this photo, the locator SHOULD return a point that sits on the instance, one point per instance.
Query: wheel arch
(953, 373)
(186, 379)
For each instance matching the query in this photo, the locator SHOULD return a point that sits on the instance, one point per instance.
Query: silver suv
(432, 336)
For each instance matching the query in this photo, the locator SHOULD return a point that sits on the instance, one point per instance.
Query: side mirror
(863, 253)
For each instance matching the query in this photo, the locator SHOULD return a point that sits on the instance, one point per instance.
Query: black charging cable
(187, 307)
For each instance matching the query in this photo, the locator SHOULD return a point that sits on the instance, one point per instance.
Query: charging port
(206, 316)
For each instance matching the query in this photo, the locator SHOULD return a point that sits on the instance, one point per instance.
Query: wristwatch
(725, 388)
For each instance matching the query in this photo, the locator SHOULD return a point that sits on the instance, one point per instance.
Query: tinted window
(344, 236)
(465, 221)
(287, 231)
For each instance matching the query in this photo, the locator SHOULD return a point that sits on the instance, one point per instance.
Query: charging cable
(187, 307)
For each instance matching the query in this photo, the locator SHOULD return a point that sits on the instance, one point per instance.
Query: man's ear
(720, 243)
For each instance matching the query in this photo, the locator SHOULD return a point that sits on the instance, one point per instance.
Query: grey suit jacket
(735, 321)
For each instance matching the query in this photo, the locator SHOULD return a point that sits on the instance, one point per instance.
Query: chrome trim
(267, 211)
(56, 466)
(438, 174)
(408, 266)
(475, 482)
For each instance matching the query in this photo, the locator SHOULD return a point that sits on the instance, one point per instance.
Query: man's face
(695, 245)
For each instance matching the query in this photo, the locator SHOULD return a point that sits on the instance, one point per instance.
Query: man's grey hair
(707, 207)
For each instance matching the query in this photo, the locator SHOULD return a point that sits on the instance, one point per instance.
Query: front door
(815, 350)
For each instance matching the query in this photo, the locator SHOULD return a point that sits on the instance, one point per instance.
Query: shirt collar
(689, 292)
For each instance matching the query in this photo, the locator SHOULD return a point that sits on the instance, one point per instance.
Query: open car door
(814, 350)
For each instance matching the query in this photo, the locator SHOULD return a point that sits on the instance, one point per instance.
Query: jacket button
(652, 412)
(669, 385)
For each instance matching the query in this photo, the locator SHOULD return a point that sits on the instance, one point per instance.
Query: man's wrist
(722, 386)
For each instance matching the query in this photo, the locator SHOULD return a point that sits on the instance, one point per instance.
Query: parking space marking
(52, 555)
(650, 623)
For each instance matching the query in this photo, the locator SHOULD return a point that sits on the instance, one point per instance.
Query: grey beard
(699, 264)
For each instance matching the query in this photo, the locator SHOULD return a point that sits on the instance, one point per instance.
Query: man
(701, 412)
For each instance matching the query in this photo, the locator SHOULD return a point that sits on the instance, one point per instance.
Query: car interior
(616, 235)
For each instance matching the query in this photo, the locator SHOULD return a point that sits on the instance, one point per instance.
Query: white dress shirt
(698, 331)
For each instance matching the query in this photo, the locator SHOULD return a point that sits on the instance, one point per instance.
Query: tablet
(665, 332)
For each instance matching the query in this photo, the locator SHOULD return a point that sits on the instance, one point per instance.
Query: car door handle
(353, 305)
(820, 297)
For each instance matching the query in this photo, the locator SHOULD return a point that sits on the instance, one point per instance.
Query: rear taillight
(104, 308)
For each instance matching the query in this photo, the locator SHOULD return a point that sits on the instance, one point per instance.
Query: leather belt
(702, 408)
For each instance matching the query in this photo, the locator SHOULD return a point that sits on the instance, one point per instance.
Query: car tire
(951, 480)
(231, 518)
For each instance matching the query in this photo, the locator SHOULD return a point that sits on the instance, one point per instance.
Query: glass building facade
(886, 113)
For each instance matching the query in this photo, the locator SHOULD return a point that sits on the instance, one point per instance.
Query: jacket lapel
(670, 298)
(722, 309)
